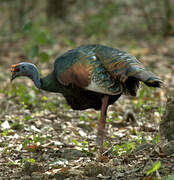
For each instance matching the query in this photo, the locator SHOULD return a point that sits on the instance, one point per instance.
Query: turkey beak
(14, 69)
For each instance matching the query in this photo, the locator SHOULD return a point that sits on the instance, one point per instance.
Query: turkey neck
(50, 83)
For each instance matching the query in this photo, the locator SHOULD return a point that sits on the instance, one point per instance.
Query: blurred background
(38, 31)
(35, 25)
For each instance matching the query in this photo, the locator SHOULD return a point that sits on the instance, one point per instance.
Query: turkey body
(89, 72)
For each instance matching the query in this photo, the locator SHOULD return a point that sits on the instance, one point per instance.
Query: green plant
(156, 139)
(38, 36)
(84, 146)
(48, 104)
(33, 139)
(6, 132)
(85, 118)
(145, 91)
(17, 126)
(31, 160)
(161, 110)
(154, 168)
(126, 147)
(25, 96)
(98, 23)
(27, 117)
(141, 139)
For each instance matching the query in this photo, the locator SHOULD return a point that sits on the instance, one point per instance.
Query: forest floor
(43, 138)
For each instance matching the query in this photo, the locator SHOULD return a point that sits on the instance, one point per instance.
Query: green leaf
(27, 27)
(156, 138)
(4, 133)
(31, 160)
(25, 143)
(44, 98)
(23, 160)
(27, 117)
(75, 141)
(154, 168)
(68, 42)
(34, 51)
(41, 38)
(141, 93)
(85, 142)
(44, 57)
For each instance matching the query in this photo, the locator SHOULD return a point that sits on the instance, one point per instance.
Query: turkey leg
(102, 122)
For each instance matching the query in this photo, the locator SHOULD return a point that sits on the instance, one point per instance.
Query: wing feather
(123, 66)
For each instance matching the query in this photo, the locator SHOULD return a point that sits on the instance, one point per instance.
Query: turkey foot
(102, 122)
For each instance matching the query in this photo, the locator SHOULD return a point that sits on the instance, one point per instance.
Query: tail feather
(149, 78)
(131, 84)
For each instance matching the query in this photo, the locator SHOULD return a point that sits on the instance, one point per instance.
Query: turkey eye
(23, 67)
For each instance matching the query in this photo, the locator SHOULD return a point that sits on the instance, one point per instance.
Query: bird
(91, 76)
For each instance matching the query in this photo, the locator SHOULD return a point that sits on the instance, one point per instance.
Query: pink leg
(102, 122)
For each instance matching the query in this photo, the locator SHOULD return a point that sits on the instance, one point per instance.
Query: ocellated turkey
(91, 76)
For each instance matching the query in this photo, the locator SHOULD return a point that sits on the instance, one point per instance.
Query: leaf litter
(45, 139)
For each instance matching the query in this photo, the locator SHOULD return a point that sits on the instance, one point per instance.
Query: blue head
(26, 69)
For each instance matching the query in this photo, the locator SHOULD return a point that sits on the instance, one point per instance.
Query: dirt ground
(43, 138)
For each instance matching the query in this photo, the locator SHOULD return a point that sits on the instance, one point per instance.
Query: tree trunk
(167, 123)
(168, 15)
(56, 8)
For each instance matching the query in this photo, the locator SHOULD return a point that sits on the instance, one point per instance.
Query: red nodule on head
(15, 68)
